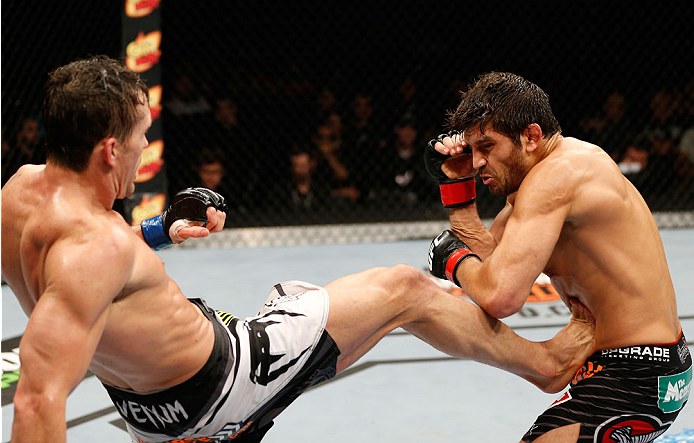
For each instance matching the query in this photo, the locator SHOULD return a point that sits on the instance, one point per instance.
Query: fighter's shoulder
(67, 219)
(106, 228)
(88, 240)
(592, 179)
(582, 153)
(22, 178)
(26, 171)
(558, 179)
(576, 162)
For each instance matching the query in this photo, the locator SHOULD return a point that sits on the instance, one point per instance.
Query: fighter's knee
(409, 274)
(408, 281)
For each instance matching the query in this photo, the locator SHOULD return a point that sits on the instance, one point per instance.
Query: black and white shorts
(258, 366)
(623, 395)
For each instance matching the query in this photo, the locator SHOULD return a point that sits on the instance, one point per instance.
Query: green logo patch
(673, 390)
(8, 378)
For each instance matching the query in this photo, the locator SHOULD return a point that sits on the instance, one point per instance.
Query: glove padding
(446, 253)
(454, 192)
(189, 204)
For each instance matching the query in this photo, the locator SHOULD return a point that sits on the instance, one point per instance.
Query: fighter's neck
(93, 187)
(548, 145)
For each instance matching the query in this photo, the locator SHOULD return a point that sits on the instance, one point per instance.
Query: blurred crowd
(303, 153)
(655, 151)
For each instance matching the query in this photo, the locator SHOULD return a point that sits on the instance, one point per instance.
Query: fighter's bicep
(499, 223)
(57, 346)
(81, 280)
(534, 235)
(530, 235)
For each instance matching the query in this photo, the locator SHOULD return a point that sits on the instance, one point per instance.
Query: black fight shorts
(623, 394)
(258, 366)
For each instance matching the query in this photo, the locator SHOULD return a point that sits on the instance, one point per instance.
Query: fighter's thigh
(376, 299)
(564, 434)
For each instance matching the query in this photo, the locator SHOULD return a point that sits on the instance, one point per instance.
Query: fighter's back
(49, 221)
(39, 211)
(22, 208)
(610, 254)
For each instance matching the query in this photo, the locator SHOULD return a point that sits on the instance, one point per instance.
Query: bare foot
(570, 347)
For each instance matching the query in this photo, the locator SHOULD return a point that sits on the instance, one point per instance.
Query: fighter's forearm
(39, 422)
(467, 225)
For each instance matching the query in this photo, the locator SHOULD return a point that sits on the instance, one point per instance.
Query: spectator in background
(304, 193)
(447, 100)
(334, 164)
(406, 105)
(226, 115)
(612, 129)
(325, 104)
(186, 99)
(663, 123)
(687, 140)
(228, 129)
(669, 172)
(334, 121)
(634, 162)
(668, 175)
(402, 179)
(25, 147)
(187, 114)
(363, 138)
(687, 143)
(209, 170)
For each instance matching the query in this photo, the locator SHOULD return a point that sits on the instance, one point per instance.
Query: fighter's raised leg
(365, 306)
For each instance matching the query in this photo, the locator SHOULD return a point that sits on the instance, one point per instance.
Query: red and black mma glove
(446, 253)
(189, 204)
(454, 192)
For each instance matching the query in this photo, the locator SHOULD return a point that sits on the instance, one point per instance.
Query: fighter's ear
(532, 136)
(109, 150)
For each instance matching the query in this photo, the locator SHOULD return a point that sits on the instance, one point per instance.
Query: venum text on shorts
(159, 415)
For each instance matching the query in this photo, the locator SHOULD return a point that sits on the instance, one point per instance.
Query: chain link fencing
(316, 113)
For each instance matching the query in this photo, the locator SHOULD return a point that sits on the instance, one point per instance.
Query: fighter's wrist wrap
(457, 193)
(154, 234)
(446, 253)
(454, 260)
(189, 204)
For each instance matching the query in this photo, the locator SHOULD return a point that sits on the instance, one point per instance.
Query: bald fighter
(571, 214)
(99, 298)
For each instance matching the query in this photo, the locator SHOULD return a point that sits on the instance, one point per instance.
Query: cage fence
(311, 117)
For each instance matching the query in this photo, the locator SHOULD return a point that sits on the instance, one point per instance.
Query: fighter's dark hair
(86, 101)
(507, 102)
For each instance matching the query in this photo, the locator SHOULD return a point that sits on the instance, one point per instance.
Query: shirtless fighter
(571, 214)
(99, 298)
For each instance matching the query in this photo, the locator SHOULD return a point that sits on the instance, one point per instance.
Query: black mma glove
(446, 253)
(454, 192)
(189, 204)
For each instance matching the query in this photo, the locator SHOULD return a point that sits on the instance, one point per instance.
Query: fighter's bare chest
(561, 276)
(562, 261)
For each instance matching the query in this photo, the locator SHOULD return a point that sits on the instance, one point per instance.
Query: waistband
(176, 409)
(675, 354)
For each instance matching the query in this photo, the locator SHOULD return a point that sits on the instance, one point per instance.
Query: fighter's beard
(515, 173)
